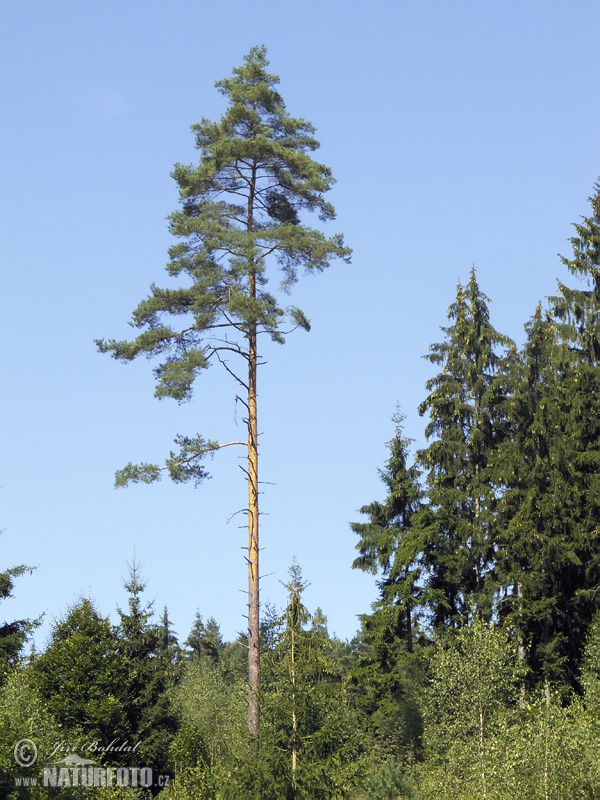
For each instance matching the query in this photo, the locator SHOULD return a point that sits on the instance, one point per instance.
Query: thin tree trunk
(253, 552)
(547, 744)
(520, 645)
(294, 718)
(482, 752)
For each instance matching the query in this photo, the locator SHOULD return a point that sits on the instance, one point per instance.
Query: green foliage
(149, 656)
(464, 427)
(241, 212)
(205, 643)
(540, 567)
(386, 684)
(310, 746)
(548, 470)
(24, 715)
(210, 751)
(80, 673)
(474, 680)
(168, 646)
(589, 716)
(390, 783)
(578, 308)
(13, 635)
(181, 467)
(391, 543)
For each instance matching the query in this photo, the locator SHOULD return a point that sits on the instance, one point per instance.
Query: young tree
(147, 651)
(168, 645)
(310, 743)
(210, 754)
(24, 715)
(12, 634)
(241, 212)
(390, 543)
(577, 308)
(79, 675)
(205, 643)
(474, 679)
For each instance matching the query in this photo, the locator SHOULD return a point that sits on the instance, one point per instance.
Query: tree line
(457, 714)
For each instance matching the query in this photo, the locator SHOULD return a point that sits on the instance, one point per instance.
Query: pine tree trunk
(253, 574)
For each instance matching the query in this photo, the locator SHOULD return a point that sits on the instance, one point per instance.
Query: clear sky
(460, 133)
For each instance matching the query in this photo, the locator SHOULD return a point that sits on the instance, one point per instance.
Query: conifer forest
(475, 672)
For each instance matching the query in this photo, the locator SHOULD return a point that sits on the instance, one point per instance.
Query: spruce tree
(578, 327)
(390, 543)
(577, 308)
(205, 643)
(535, 511)
(551, 497)
(168, 644)
(390, 546)
(13, 634)
(147, 651)
(464, 426)
(80, 674)
(241, 218)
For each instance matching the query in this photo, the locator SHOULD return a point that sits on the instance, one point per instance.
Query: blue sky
(459, 133)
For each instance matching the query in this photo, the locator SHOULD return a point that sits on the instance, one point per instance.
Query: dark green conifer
(80, 676)
(310, 736)
(535, 501)
(464, 427)
(550, 506)
(577, 308)
(13, 635)
(390, 543)
(205, 643)
(148, 679)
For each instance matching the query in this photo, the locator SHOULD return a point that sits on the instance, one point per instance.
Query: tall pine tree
(241, 212)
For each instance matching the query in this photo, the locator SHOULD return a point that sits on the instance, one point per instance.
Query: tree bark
(253, 552)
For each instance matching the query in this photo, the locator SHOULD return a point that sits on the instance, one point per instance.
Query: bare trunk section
(253, 552)
(409, 632)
